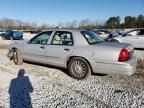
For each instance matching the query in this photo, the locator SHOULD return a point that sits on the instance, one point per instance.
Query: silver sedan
(82, 52)
(134, 37)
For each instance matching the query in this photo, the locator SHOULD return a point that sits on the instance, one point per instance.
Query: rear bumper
(120, 68)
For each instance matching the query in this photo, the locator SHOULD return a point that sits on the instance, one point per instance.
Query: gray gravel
(45, 87)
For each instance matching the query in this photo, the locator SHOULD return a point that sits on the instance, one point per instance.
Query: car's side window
(41, 38)
(62, 38)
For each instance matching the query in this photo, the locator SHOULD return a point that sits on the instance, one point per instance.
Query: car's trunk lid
(109, 51)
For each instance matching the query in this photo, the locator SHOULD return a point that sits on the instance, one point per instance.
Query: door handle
(66, 49)
(42, 47)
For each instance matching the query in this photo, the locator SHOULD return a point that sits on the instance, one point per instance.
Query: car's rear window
(91, 37)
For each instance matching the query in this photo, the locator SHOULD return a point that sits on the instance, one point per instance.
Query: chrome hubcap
(78, 68)
(15, 56)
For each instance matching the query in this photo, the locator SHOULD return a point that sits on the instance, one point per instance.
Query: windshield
(92, 37)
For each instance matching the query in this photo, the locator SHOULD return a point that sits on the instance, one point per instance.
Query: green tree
(140, 21)
(130, 22)
(113, 22)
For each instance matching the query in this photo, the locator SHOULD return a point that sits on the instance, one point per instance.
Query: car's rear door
(60, 47)
(35, 50)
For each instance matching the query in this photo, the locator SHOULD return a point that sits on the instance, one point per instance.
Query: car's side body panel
(34, 52)
(56, 55)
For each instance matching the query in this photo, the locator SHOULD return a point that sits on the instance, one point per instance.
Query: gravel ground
(47, 87)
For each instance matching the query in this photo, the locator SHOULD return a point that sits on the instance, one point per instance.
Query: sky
(56, 11)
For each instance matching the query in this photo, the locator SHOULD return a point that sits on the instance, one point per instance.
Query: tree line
(129, 22)
(115, 23)
(7, 23)
(112, 23)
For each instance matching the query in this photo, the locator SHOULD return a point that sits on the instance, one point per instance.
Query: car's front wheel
(78, 68)
(11, 38)
(3, 38)
(17, 57)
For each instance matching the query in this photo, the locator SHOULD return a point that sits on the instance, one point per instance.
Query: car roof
(69, 30)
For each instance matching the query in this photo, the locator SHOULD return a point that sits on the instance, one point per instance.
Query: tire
(17, 57)
(21, 38)
(78, 68)
(3, 38)
(11, 38)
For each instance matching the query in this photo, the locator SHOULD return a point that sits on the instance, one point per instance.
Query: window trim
(29, 42)
(87, 39)
(62, 44)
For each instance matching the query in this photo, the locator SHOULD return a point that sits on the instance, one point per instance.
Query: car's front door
(35, 50)
(61, 46)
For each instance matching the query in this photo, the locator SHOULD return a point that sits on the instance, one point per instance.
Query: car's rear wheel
(79, 68)
(17, 57)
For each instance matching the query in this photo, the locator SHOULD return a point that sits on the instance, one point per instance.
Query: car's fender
(17, 45)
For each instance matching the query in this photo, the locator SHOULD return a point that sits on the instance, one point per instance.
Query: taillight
(124, 55)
